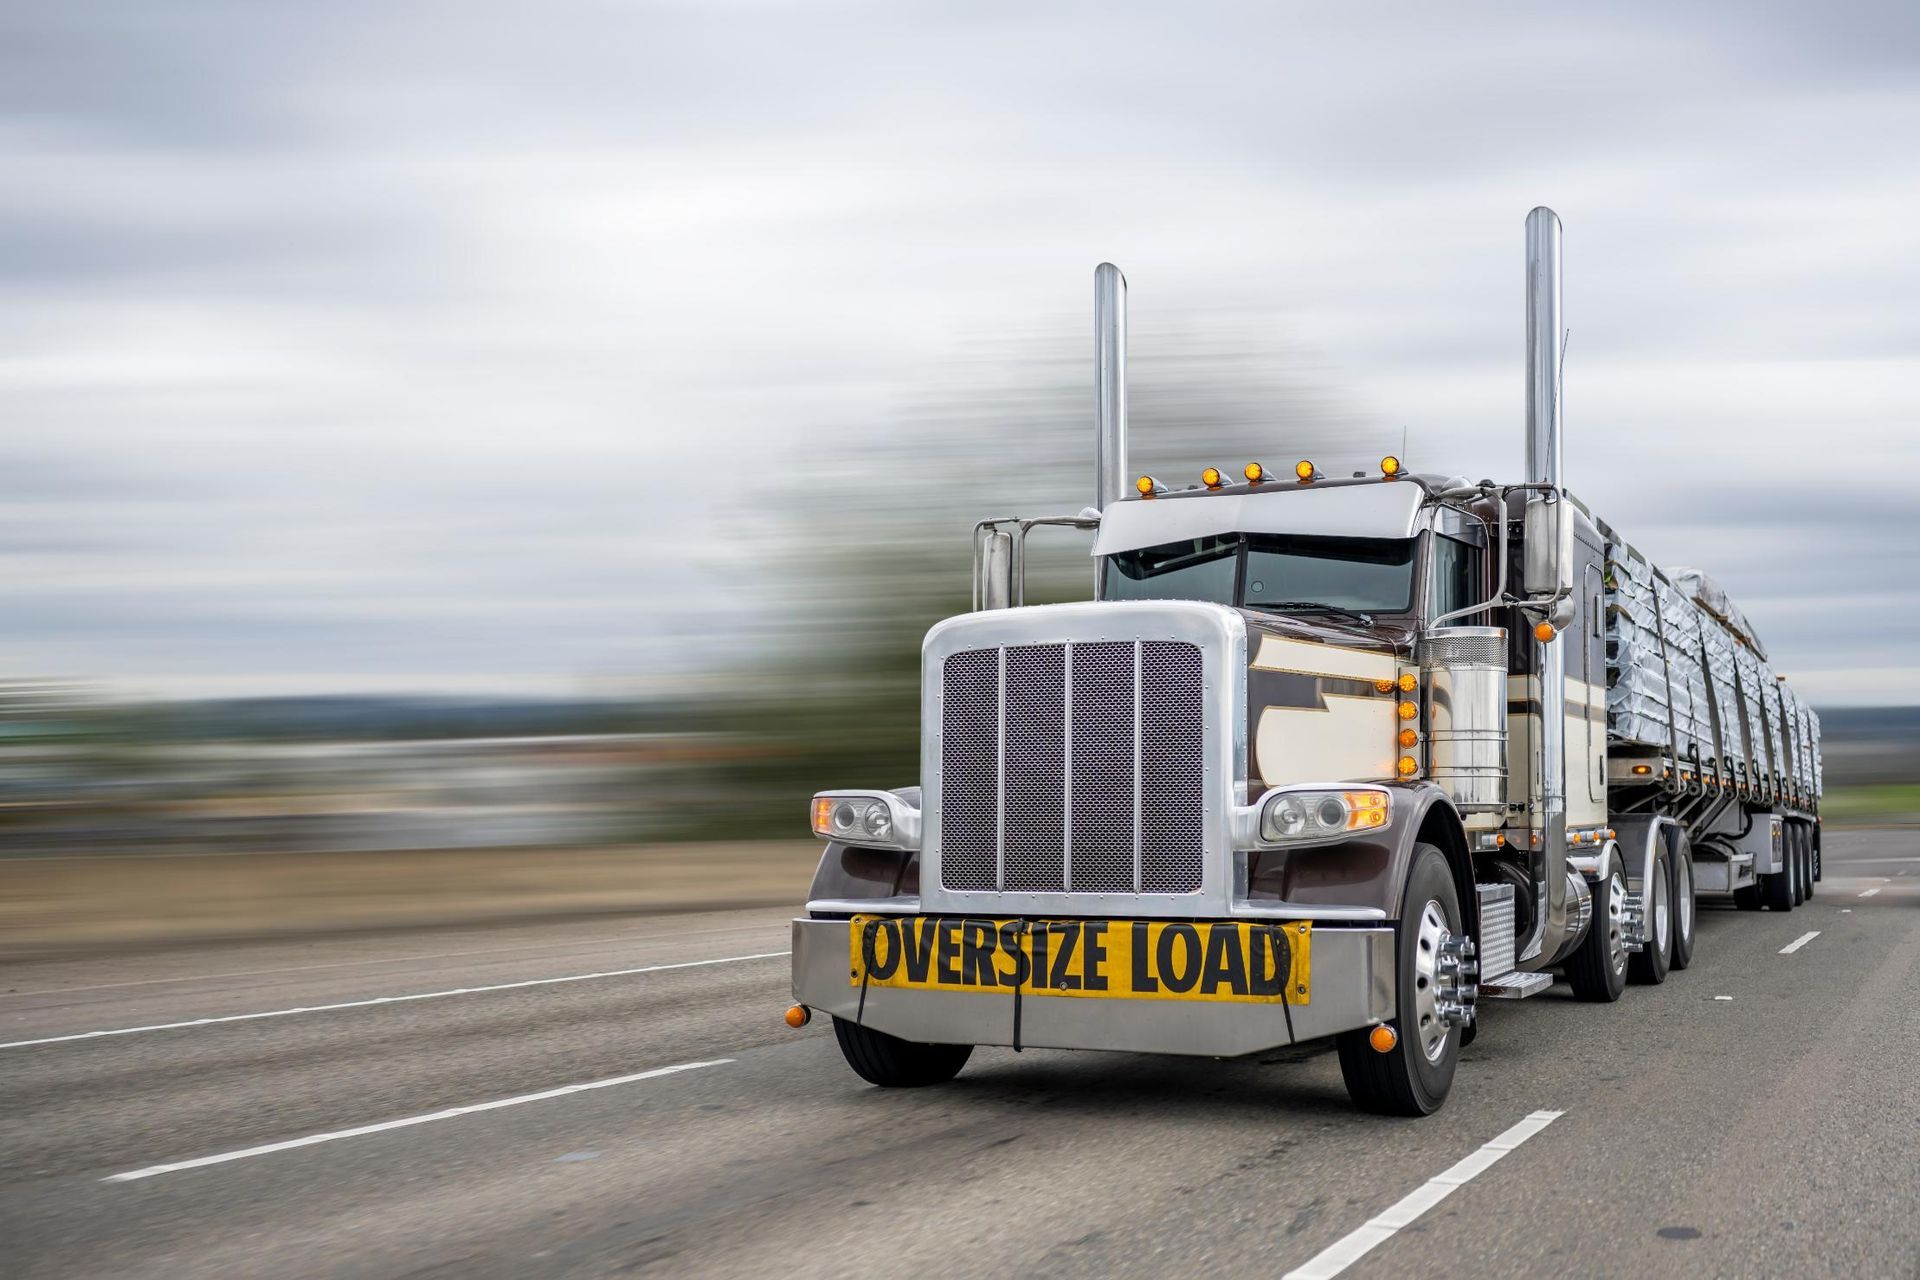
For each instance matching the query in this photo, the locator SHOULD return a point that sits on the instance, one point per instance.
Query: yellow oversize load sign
(1255, 963)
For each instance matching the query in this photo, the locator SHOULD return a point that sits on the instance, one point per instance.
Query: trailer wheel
(1414, 1077)
(1649, 965)
(1813, 834)
(893, 1063)
(1683, 902)
(1597, 969)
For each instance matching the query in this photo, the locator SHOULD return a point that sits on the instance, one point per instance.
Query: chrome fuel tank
(1464, 671)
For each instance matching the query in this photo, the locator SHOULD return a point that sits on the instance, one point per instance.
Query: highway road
(612, 1098)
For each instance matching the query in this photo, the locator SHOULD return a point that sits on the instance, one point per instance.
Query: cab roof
(1370, 508)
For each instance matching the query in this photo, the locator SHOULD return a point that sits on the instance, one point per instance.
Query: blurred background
(490, 458)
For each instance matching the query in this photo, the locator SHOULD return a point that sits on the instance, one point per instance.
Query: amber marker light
(1147, 486)
(1408, 766)
(1499, 839)
(799, 1016)
(1254, 473)
(1408, 710)
(1642, 770)
(1408, 682)
(1389, 466)
(1544, 632)
(1304, 470)
(1383, 686)
(1409, 736)
(823, 815)
(1383, 1038)
(1210, 477)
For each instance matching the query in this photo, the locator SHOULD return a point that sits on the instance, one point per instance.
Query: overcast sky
(411, 346)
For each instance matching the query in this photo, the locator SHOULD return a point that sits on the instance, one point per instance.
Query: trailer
(1325, 758)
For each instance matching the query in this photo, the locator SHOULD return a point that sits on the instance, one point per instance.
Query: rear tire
(1415, 1076)
(893, 1063)
(1808, 873)
(1684, 902)
(1649, 965)
(1597, 970)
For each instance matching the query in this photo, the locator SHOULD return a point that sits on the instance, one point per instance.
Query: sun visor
(1334, 511)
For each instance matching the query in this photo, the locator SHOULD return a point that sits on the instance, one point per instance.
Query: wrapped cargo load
(1705, 592)
(1656, 689)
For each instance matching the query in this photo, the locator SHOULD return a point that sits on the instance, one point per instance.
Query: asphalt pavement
(412, 1105)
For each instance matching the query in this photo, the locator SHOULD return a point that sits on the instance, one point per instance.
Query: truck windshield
(1285, 573)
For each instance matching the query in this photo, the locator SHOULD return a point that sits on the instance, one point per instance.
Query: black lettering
(870, 946)
(1225, 965)
(976, 954)
(1010, 948)
(1143, 979)
(1095, 953)
(948, 952)
(1042, 932)
(1177, 979)
(1062, 979)
(1269, 944)
(919, 949)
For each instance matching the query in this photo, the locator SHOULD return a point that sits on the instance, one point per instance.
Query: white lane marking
(1349, 1249)
(627, 940)
(1799, 942)
(314, 1139)
(1723, 997)
(1846, 911)
(379, 1000)
(1868, 893)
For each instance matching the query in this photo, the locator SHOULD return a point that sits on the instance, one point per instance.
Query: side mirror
(1547, 555)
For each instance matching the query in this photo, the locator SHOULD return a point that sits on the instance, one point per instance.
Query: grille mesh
(1170, 754)
(970, 770)
(1036, 759)
(1103, 791)
(1074, 725)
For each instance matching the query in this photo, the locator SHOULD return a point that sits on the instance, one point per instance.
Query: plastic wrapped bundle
(1656, 689)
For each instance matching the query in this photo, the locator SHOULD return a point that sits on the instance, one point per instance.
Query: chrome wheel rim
(1430, 1029)
(1616, 923)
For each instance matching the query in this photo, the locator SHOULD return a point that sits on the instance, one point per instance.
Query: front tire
(1650, 964)
(893, 1063)
(1415, 1076)
(1597, 970)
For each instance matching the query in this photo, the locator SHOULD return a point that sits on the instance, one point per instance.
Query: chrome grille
(1046, 752)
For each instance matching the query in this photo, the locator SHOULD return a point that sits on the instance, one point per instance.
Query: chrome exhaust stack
(1559, 927)
(1109, 385)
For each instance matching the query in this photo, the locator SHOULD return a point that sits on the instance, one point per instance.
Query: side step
(1499, 980)
(1516, 986)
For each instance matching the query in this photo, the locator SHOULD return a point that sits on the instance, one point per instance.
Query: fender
(1367, 871)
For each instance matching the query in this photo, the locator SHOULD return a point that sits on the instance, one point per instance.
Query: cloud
(359, 341)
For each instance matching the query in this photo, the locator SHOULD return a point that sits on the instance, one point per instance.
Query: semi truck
(1327, 757)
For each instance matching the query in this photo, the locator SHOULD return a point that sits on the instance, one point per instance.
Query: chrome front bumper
(1353, 975)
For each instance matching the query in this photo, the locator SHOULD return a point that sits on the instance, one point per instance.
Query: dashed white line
(380, 1000)
(314, 1139)
(1799, 942)
(1354, 1246)
(1868, 893)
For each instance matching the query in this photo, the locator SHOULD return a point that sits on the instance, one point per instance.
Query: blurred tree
(873, 547)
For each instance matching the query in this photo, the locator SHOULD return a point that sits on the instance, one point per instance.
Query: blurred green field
(1860, 806)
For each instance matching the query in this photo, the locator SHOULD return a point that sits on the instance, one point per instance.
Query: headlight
(875, 818)
(1287, 816)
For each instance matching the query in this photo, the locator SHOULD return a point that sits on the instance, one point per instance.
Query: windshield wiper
(1364, 619)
